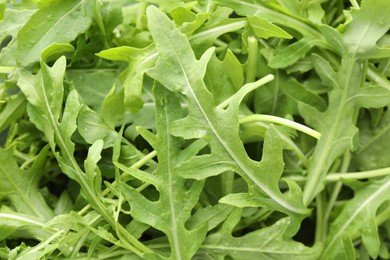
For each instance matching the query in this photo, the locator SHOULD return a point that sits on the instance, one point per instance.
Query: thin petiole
(334, 177)
(358, 175)
(253, 53)
(6, 70)
(281, 121)
(250, 87)
(141, 12)
(355, 4)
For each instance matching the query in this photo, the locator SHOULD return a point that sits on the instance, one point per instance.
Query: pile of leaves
(230, 129)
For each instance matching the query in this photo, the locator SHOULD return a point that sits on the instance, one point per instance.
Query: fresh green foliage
(232, 129)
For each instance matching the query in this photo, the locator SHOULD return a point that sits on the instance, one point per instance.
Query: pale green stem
(333, 177)
(251, 86)
(27, 221)
(378, 78)
(141, 12)
(358, 175)
(281, 121)
(319, 218)
(6, 70)
(251, 65)
(355, 4)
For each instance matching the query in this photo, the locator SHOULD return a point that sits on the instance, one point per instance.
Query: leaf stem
(355, 4)
(251, 65)
(281, 121)
(358, 175)
(250, 87)
(24, 220)
(141, 12)
(6, 70)
(319, 218)
(334, 177)
(378, 78)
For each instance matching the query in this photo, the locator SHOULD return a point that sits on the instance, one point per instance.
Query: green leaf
(21, 188)
(369, 23)
(14, 109)
(92, 94)
(265, 243)
(10, 25)
(289, 55)
(44, 92)
(92, 128)
(230, 77)
(13, 20)
(64, 21)
(113, 109)
(11, 221)
(140, 60)
(282, 95)
(55, 50)
(45, 95)
(372, 151)
(176, 200)
(276, 14)
(178, 70)
(264, 29)
(357, 219)
(338, 132)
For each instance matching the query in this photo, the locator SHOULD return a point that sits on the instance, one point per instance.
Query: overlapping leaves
(221, 186)
(178, 70)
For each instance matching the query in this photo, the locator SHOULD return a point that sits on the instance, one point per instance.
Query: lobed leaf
(358, 219)
(178, 70)
(176, 199)
(64, 20)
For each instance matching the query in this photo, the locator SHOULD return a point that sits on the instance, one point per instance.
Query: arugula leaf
(371, 153)
(357, 218)
(64, 21)
(45, 110)
(22, 188)
(128, 130)
(337, 122)
(178, 70)
(369, 23)
(140, 60)
(173, 192)
(266, 243)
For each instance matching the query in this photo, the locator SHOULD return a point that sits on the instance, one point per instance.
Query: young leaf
(140, 60)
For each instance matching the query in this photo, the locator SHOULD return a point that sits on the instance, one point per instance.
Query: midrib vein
(175, 238)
